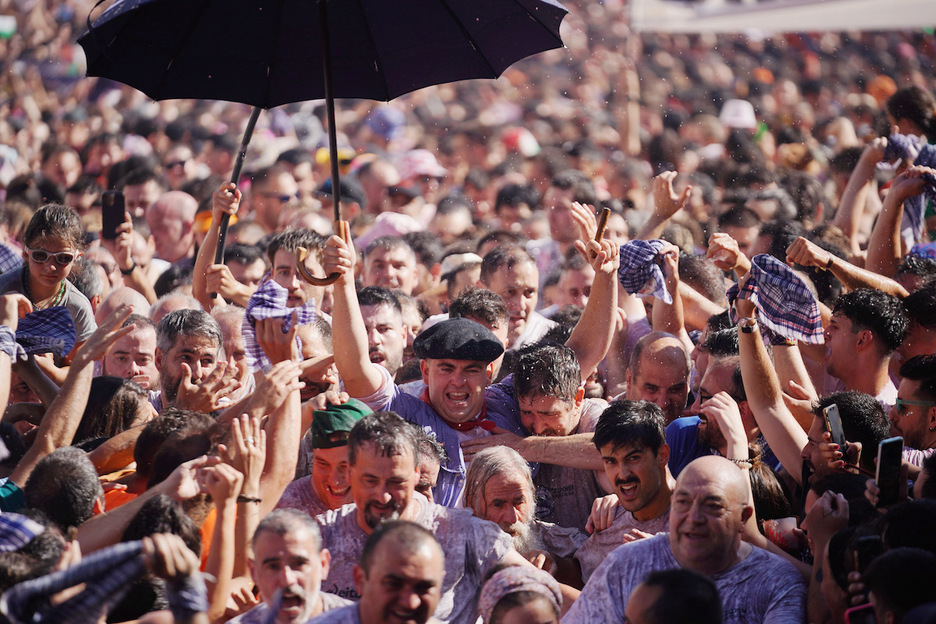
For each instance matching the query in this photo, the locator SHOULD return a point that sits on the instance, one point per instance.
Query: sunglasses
(283, 197)
(41, 256)
(174, 164)
(899, 403)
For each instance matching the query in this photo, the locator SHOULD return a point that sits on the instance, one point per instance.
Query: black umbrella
(271, 52)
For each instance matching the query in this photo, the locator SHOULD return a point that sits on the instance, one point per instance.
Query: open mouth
(338, 493)
(628, 490)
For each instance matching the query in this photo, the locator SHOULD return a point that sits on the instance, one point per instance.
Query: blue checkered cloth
(16, 531)
(924, 250)
(47, 331)
(107, 575)
(269, 301)
(639, 272)
(10, 259)
(785, 306)
(913, 149)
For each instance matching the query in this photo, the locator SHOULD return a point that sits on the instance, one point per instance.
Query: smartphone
(890, 456)
(867, 549)
(113, 211)
(834, 425)
(861, 615)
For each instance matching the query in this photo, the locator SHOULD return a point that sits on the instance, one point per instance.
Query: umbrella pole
(330, 114)
(238, 165)
(338, 225)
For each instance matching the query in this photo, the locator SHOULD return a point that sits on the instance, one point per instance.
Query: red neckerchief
(480, 421)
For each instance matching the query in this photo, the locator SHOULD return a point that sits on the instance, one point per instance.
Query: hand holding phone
(890, 456)
(834, 426)
(113, 213)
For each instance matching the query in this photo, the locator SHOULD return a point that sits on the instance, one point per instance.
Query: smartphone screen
(834, 424)
(890, 456)
(112, 213)
(867, 549)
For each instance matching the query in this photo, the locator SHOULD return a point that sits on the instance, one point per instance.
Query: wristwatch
(130, 270)
(747, 325)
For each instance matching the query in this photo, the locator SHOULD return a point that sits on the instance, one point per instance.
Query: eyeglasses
(174, 164)
(899, 403)
(283, 197)
(41, 256)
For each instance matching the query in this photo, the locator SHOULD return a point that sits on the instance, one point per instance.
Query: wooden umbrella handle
(303, 270)
(602, 224)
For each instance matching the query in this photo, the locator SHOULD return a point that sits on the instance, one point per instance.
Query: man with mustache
(287, 567)
(382, 450)
(630, 437)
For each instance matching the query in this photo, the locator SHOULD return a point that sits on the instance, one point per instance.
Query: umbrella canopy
(268, 52)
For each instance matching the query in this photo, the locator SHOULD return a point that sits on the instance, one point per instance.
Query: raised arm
(361, 377)
(594, 332)
(669, 317)
(806, 253)
(851, 208)
(666, 203)
(885, 249)
(64, 415)
(225, 200)
(122, 249)
(784, 435)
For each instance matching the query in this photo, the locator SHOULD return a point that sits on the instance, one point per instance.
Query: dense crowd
(643, 331)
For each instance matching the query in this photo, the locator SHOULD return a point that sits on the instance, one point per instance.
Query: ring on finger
(249, 439)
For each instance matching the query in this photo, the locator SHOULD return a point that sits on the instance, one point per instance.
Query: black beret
(458, 339)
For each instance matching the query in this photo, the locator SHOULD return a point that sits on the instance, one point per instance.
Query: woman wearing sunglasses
(53, 240)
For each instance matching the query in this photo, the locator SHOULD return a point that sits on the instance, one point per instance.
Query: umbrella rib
(540, 22)
(370, 37)
(468, 36)
(182, 41)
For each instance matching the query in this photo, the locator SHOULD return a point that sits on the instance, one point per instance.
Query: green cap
(328, 423)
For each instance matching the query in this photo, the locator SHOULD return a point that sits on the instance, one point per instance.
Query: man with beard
(499, 487)
(287, 567)
(692, 437)
(399, 577)
(327, 486)
(191, 373)
(630, 437)
(551, 397)
(914, 415)
(386, 333)
(383, 455)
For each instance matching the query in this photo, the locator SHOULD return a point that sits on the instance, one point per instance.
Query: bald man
(659, 373)
(707, 515)
(170, 221)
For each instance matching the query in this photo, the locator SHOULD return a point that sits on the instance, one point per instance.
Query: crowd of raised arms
(643, 331)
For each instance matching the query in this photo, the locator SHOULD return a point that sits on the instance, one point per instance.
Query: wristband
(829, 263)
(747, 325)
(8, 343)
(130, 270)
(248, 499)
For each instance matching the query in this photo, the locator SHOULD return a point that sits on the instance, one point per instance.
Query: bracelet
(741, 462)
(829, 263)
(248, 499)
(780, 341)
(130, 270)
(747, 325)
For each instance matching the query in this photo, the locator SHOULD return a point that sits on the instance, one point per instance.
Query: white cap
(738, 114)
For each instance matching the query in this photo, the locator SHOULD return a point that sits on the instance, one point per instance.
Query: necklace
(57, 299)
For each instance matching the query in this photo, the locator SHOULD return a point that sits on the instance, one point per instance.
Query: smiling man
(399, 578)
(706, 519)
(630, 437)
(383, 455)
(327, 487)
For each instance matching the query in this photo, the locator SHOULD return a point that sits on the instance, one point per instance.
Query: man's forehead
(195, 343)
(383, 312)
(456, 363)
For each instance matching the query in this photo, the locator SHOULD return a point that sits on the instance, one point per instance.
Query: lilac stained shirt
(472, 546)
(761, 589)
